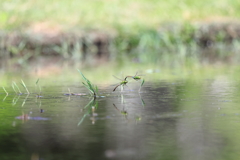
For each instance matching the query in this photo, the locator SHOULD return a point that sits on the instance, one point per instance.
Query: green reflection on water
(195, 117)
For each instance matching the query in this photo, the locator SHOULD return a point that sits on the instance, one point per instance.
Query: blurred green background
(45, 37)
(113, 14)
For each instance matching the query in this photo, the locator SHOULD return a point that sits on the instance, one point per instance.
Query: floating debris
(27, 117)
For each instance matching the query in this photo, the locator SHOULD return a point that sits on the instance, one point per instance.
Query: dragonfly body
(123, 83)
(137, 78)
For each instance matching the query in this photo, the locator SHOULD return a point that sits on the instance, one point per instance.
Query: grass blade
(88, 84)
(5, 90)
(95, 88)
(85, 79)
(17, 87)
(14, 101)
(4, 98)
(24, 101)
(37, 81)
(14, 88)
(142, 82)
(90, 103)
(39, 87)
(141, 85)
(80, 122)
(23, 84)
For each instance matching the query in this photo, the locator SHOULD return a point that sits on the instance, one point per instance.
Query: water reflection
(180, 120)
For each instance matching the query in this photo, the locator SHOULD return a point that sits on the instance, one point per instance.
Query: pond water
(181, 119)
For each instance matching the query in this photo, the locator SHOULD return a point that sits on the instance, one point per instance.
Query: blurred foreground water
(181, 119)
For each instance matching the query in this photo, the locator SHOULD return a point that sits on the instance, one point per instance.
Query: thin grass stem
(14, 88)
(5, 90)
(24, 101)
(141, 85)
(69, 91)
(80, 122)
(17, 87)
(5, 98)
(14, 101)
(23, 84)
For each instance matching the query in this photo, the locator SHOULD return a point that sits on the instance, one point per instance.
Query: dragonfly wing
(117, 78)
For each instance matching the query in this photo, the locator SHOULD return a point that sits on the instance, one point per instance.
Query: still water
(177, 120)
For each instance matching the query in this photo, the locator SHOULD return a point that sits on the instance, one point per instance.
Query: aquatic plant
(15, 84)
(93, 89)
(14, 88)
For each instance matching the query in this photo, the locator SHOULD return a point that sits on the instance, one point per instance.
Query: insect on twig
(122, 83)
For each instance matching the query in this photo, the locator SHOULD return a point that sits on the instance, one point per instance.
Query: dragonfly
(123, 112)
(136, 77)
(122, 83)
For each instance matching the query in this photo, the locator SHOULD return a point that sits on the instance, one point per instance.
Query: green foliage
(92, 88)
(144, 32)
(128, 15)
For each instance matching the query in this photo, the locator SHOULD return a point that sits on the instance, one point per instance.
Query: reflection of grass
(5, 91)
(14, 84)
(94, 105)
(23, 84)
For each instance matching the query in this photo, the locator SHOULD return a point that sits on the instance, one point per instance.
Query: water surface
(181, 119)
